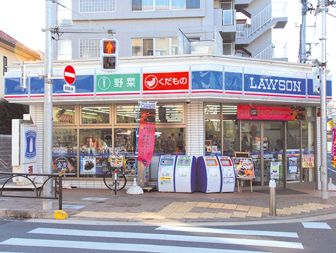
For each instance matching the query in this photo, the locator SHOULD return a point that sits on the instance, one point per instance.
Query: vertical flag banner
(146, 139)
(333, 147)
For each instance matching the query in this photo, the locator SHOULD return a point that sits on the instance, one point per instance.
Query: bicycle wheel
(121, 182)
(110, 183)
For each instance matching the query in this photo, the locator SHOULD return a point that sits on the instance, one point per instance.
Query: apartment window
(227, 48)
(64, 50)
(89, 48)
(64, 15)
(148, 46)
(193, 4)
(96, 5)
(154, 46)
(145, 5)
(4, 65)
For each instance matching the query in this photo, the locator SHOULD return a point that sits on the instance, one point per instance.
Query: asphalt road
(36, 237)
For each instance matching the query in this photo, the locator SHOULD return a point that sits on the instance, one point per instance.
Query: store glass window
(95, 115)
(136, 5)
(64, 114)
(147, 5)
(95, 148)
(169, 113)
(161, 46)
(169, 141)
(212, 129)
(124, 140)
(64, 152)
(126, 113)
(308, 148)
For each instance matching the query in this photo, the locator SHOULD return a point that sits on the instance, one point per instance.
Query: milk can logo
(30, 144)
(151, 82)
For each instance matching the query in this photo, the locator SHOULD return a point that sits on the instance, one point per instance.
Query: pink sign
(333, 145)
(260, 112)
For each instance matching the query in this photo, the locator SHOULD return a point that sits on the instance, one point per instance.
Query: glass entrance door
(273, 149)
(251, 143)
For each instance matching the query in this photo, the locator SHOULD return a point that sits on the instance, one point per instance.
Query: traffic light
(109, 54)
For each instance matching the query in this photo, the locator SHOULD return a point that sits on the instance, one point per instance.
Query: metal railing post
(272, 198)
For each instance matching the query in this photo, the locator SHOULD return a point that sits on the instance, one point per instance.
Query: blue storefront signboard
(274, 84)
(207, 80)
(233, 81)
(313, 92)
(83, 84)
(13, 86)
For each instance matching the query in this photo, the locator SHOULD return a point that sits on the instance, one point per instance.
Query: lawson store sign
(192, 82)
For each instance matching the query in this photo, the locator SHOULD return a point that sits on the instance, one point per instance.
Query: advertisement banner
(117, 83)
(146, 139)
(166, 81)
(243, 167)
(88, 165)
(333, 147)
(275, 170)
(207, 80)
(260, 112)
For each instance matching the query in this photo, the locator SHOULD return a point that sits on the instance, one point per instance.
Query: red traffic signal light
(109, 46)
(109, 54)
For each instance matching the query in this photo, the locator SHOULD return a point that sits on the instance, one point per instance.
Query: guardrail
(37, 188)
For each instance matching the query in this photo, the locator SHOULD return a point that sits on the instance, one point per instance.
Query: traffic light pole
(47, 115)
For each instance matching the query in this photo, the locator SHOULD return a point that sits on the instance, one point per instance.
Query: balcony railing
(260, 19)
(273, 51)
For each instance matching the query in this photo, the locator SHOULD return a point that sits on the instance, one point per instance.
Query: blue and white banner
(233, 81)
(212, 80)
(13, 86)
(274, 84)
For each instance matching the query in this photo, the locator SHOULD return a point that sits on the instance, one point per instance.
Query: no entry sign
(69, 74)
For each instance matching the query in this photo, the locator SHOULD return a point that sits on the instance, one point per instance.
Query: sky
(25, 19)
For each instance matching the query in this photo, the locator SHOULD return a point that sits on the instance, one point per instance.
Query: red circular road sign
(69, 74)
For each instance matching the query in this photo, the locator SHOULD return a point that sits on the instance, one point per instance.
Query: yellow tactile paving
(170, 208)
(230, 206)
(208, 215)
(203, 204)
(254, 214)
(242, 208)
(216, 205)
(236, 214)
(192, 215)
(223, 215)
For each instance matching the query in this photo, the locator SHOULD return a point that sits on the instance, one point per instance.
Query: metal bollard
(272, 202)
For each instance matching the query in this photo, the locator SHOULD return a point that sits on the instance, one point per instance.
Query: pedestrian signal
(109, 54)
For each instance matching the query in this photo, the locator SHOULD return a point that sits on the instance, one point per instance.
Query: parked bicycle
(114, 178)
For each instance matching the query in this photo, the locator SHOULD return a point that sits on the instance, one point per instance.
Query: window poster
(292, 165)
(243, 167)
(275, 170)
(88, 165)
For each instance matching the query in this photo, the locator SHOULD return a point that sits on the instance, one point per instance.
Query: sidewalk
(157, 206)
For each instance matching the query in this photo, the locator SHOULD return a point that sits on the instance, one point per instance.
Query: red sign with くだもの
(166, 81)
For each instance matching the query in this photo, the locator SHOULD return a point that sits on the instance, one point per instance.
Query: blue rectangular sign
(274, 84)
(233, 81)
(13, 87)
(36, 85)
(83, 84)
(202, 80)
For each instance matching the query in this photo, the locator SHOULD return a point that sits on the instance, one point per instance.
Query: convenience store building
(205, 105)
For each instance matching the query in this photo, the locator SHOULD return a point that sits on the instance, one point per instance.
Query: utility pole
(323, 6)
(48, 105)
(303, 54)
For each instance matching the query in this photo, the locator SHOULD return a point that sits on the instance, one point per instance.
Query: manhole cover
(126, 204)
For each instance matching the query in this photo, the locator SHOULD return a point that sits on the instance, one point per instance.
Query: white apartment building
(170, 27)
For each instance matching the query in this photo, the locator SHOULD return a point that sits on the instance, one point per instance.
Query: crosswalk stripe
(229, 231)
(115, 246)
(167, 237)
